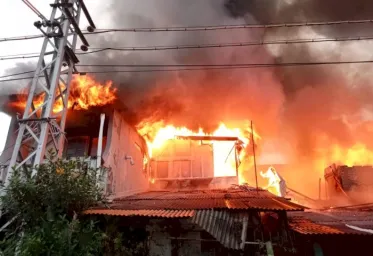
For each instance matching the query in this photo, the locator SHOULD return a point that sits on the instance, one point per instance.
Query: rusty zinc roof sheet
(332, 222)
(205, 199)
(225, 226)
(147, 213)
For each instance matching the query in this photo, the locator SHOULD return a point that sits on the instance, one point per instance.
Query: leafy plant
(124, 240)
(48, 206)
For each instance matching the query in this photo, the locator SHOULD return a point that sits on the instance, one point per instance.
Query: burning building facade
(160, 174)
(123, 150)
(349, 184)
(98, 133)
(176, 143)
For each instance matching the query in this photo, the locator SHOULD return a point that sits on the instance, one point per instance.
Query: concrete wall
(123, 144)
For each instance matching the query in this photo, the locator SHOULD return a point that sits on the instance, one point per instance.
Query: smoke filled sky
(308, 107)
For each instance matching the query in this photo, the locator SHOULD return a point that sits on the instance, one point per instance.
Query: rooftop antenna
(40, 129)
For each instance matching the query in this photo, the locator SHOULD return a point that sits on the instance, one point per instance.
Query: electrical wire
(33, 8)
(195, 67)
(17, 74)
(206, 28)
(254, 43)
(19, 57)
(202, 46)
(238, 65)
(242, 26)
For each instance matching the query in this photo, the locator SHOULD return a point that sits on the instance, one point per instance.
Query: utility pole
(253, 142)
(40, 128)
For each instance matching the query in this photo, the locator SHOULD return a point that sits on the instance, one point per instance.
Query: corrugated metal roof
(225, 226)
(307, 227)
(331, 222)
(206, 199)
(147, 213)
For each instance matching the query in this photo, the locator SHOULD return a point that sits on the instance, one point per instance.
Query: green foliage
(124, 241)
(49, 206)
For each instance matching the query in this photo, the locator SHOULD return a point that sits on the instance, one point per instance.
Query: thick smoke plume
(310, 107)
(192, 98)
(324, 105)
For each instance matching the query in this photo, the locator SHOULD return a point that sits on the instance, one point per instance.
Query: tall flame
(158, 133)
(85, 92)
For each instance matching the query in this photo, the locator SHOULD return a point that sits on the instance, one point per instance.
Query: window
(181, 169)
(94, 145)
(77, 146)
(162, 169)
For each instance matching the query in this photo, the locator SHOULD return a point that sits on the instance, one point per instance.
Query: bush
(48, 207)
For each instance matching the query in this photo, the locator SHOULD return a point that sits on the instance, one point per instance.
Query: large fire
(85, 92)
(157, 134)
(358, 154)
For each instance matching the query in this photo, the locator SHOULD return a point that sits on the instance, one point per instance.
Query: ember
(85, 92)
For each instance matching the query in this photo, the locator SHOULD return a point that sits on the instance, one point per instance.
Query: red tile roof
(234, 198)
(332, 222)
(147, 213)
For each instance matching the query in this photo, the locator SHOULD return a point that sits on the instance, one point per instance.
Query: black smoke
(193, 98)
(318, 98)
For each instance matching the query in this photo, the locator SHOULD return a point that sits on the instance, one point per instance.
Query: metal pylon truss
(42, 125)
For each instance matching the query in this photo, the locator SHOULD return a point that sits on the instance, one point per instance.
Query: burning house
(96, 131)
(160, 175)
(349, 184)
(186, 190)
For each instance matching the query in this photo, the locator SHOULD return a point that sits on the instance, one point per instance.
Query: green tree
(49, 207)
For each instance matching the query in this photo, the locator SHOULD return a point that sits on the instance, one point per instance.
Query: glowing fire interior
(85, 92)
(224, 156)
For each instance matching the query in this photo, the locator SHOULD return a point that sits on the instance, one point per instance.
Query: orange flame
(85, 92)
(158, 133)
(358, 154)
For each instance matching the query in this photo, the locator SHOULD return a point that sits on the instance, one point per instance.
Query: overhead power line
(200, 46)
(238, 65)
(255, 43)
(196, 67)
(205, 28)
(242, 26)
(17, 74)
(36, 11)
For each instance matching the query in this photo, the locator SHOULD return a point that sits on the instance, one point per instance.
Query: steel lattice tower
(40, 128)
